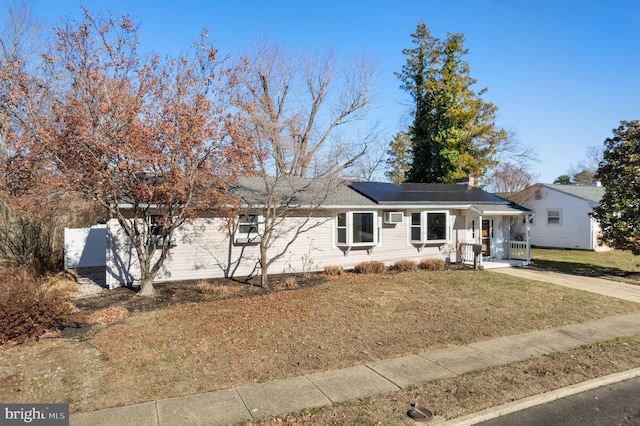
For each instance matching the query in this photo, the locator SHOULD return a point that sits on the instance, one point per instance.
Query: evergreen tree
(399, 157)
(619, 171)
(563, 180)
(453, 134)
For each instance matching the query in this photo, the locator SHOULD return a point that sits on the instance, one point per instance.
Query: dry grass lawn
(186, 348)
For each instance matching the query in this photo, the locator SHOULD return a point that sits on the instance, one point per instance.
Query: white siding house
(356, 222)
(561, 216)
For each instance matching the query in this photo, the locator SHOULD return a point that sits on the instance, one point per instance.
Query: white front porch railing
(518, 250)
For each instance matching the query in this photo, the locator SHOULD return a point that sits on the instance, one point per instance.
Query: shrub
(373, 267)
(432, 264)
(333, 270)
(288, 283)
(64, 283)
(28, 308)
(206, 288)
(405, 266)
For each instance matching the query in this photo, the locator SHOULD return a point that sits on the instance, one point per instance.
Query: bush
(333, 270)
(206, 288)
(28, 308)
(432, 264)
(373, 267)
(64, 283)
(288, 283)
(405, 266)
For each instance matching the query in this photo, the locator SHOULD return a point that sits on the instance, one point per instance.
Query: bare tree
(584, 172)
(370, 165)
(509, 179)
(513, 182)
(300, 104)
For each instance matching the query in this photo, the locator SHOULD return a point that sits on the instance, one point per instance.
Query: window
(157, 230)
(249, 227)
(363, 227)
(427, 227)
(342, 228)
(416, 226)
(554, 217)
(356, 228)
(436, 226)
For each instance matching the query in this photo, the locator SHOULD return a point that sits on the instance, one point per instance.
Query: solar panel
(415, 193)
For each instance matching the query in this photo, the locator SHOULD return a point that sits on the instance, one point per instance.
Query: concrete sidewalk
(253, 402)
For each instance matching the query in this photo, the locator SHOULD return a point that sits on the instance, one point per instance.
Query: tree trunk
(264, 269)
(146, 287)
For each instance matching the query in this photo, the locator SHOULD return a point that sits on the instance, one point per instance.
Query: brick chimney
(469, 180)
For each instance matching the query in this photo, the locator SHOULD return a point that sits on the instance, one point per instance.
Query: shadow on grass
(586, 270)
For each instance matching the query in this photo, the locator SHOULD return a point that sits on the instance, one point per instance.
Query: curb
(532, 401)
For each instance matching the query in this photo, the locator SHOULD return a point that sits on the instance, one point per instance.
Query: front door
(487, 231)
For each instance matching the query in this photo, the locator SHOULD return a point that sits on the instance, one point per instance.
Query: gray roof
(253, 191)
(589, 193)
(295, 191)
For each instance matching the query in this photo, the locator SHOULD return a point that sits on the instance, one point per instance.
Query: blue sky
(563, 73)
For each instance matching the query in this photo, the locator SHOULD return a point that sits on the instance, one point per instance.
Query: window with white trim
(554, 217)
(357, 229)
(249, 229)
(429, 227)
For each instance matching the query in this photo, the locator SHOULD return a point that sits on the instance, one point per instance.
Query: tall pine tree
(399, 160)
(453, 134)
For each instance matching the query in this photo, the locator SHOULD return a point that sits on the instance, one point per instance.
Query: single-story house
(351, 223)
(561, 216)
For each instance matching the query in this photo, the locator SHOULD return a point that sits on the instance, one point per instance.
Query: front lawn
(614, 264)
(200, 346)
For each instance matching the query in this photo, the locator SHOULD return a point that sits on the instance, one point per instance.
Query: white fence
(85, 247)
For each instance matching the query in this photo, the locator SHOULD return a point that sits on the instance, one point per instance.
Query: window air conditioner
(393, 217)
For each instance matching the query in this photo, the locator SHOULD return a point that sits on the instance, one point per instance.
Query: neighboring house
(353, 223)
(561, 216)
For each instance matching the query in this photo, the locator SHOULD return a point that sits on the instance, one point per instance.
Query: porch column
(529, 217)
(480, 239)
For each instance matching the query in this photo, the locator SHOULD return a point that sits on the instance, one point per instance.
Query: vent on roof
(393, 217)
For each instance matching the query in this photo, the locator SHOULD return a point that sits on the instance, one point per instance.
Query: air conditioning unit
(393, 217)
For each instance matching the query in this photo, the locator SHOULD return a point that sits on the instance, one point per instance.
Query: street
(616, 404)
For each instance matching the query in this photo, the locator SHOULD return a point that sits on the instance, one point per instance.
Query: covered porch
(490, 240)
(519, 254)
